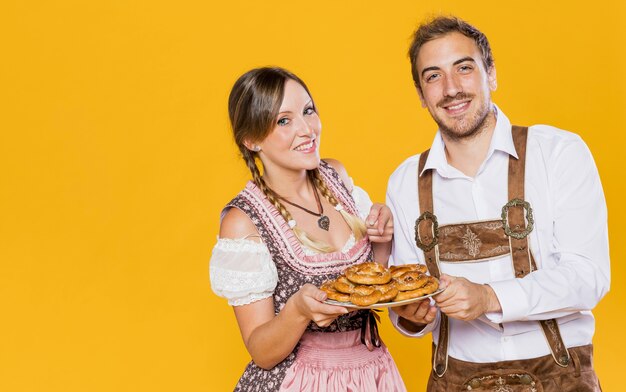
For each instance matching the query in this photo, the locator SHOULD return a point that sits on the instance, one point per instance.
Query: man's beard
(466, 128)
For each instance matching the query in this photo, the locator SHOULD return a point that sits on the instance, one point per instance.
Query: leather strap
(425, 233)
(523, 261)
(425, 230)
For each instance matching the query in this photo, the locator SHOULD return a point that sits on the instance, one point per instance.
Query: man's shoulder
(552, 144)
(549, 134)
(406, 170)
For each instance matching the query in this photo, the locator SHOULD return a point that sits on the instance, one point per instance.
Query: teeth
(304, 146)
(456, 106)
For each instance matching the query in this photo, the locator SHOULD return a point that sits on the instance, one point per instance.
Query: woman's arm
(270, 338)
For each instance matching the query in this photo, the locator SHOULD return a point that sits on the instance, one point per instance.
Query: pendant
(323, 222)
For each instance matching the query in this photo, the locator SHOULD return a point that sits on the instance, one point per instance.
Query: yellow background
(116, 158)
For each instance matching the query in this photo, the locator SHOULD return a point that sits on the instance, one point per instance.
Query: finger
(313, 292)
(445, 295)
(421, 310)
(373, 232)
(406, 311)
(430, 315)
(327, 309)
(374, 214)
(455, 309)
(372, 218)
(384, 216)
(321, 295)
(445, 280)
(385, 219)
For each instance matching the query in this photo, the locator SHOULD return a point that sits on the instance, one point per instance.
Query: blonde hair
(253, 104)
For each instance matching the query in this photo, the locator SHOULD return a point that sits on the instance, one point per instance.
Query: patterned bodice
(295, 268)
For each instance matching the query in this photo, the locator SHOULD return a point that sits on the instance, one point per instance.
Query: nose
(452, 86)
(304, 128)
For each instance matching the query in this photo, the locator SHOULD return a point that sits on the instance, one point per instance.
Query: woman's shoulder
(341, 172)
(236, 224)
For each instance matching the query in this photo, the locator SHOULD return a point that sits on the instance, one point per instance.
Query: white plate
(383, 304)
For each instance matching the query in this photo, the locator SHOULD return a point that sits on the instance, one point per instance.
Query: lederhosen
(481, 241)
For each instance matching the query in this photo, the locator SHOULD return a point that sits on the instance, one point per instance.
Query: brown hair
(439, 27)
(253, 106)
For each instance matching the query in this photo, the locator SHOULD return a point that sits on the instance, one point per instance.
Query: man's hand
(465, 300)
(379, 223)
(415, 316)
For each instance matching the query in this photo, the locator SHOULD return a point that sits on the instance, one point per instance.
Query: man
(513, 222)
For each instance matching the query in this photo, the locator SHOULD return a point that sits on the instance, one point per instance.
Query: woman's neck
(289, 184)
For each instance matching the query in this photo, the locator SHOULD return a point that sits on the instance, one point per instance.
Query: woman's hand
(379, 223)
(308, 301)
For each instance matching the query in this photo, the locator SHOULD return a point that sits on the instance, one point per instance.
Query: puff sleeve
(242, 271)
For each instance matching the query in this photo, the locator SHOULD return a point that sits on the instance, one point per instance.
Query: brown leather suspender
(523, 260)
(426, 233)
(513, 220)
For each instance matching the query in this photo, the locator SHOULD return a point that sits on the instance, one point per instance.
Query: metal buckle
(529, 217)
(418, 241)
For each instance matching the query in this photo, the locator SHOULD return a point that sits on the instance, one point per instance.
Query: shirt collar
(502, 140)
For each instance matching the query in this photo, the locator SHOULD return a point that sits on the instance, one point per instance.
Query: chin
(313, 165)
(308, 164)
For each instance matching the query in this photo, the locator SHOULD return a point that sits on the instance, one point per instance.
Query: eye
(432, 77)
(282, 121)
(465, 68)
(309, 110)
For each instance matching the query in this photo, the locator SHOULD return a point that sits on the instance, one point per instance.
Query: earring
(256, 148)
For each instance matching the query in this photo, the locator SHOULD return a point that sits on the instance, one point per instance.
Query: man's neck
(467, 155)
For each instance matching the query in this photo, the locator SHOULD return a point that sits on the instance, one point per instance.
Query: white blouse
(242, 271)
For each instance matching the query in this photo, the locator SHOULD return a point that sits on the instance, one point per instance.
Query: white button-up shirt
(569, 241)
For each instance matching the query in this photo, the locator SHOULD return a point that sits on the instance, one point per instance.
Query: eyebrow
(309, 102)
(459, 61)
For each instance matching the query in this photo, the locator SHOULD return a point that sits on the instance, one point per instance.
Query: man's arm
(581, 276)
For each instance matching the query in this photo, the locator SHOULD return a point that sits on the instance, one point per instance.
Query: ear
(493, 80)
(254, 147)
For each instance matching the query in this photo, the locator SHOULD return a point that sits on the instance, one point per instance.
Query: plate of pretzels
(370, 285)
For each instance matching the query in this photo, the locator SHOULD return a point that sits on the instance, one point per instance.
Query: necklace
(323, 222)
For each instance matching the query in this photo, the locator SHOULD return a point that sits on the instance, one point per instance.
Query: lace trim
(239, 285)
(252, 297)
(289, 247)
(240, 245)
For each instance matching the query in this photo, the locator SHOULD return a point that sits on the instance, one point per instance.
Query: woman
(291, 229)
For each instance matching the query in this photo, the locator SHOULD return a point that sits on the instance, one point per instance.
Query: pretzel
(411, 280)
(329, 288)
(369, 283)
(430, 287)
(368, 273)
(397, 270)
(388, 291)
(365, 296)
(343, 285)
